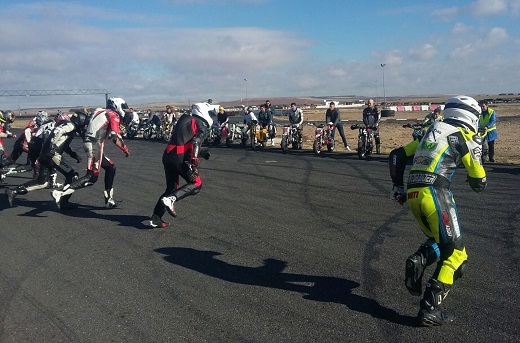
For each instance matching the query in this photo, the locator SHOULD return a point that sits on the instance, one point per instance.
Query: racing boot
(65, 204)
(59, 194)
(157, 222)
(168, 203)
(109, 198)
(378, 149)
(415, 266)
(427, 254)
(12, 193)
(431, 313)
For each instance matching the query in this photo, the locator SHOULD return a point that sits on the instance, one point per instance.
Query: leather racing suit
(181, 159)
(103, 124)
(51, 158)
(436, 157)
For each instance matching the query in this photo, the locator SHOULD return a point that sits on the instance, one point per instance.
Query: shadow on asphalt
(39, 208)
(271, 275)
(503, 168)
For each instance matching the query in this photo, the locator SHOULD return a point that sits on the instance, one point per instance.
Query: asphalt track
(275, 248)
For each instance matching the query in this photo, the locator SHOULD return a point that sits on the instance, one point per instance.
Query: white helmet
(41, 117)
(463, 110)
(202, 110)
(118, 105)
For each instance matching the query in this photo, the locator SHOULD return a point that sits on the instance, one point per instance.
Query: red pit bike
(322, 138)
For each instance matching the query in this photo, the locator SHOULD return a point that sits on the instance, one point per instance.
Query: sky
(190, 50)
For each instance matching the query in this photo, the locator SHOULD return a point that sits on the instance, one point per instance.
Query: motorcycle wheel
(159, 135)
(147, 133)
(316, 148)
(253, 142)
(131, 134)
(166, 135)
(284, 144)
(361, 151)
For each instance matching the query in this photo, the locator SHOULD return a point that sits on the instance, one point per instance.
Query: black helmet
(6, 116)
(79, 120)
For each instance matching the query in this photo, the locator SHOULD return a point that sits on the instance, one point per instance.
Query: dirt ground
(393, 135)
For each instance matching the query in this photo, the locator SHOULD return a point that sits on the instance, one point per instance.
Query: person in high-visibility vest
(488, 121)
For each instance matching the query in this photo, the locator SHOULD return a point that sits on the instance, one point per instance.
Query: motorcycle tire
(330, 147)
(131, 134)
(361, 148)
(166, 136)
(284, 144)
(147, 134)
(316, 148)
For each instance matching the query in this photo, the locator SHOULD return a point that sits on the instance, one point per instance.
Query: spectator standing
(296, 119)
(488, 122)
(332, 116)
(371, 119)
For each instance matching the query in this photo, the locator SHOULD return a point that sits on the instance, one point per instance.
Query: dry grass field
(393, 135)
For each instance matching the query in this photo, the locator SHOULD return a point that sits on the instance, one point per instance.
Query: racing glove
(398, 194)
(195, 161)
(204, 154)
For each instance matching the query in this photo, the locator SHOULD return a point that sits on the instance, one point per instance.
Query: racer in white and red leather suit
(103, 124)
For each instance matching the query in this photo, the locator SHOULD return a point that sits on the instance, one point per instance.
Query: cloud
(460, 28)
(68, 46)
(447, 14)
(423, 52)
(489, 8)
(496, 36)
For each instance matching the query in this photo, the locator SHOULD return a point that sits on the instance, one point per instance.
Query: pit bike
(418, 130)
(152, 130)
(322, 138)
(132, 129)
(214, 134)
(233, 133)
(365, 140)
(290, 136)
(257, 135)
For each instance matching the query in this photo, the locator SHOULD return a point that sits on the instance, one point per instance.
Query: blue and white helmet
(463, 110)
